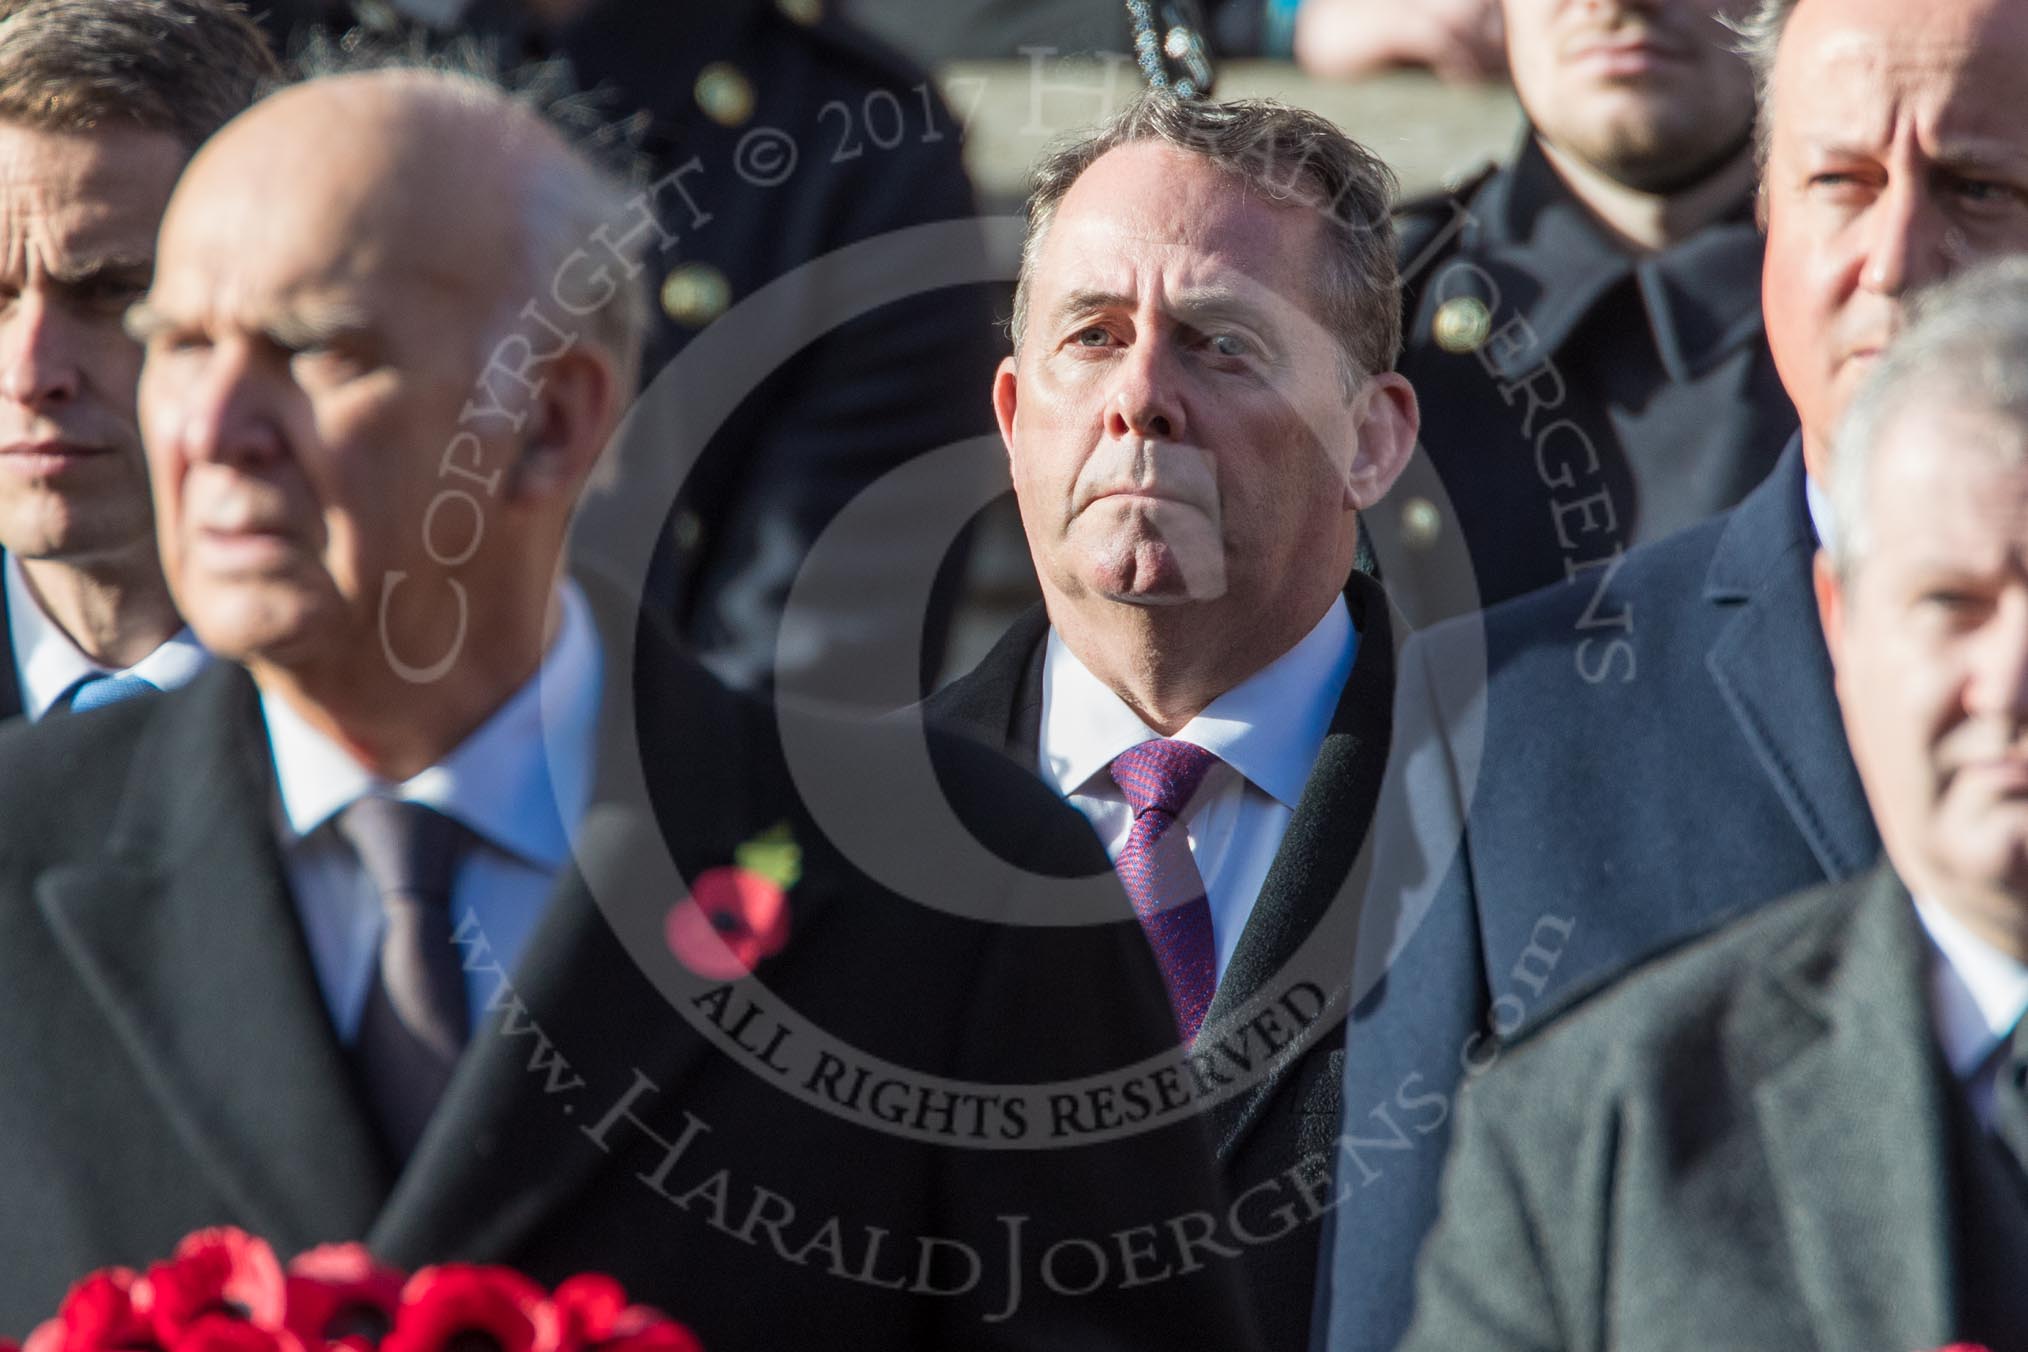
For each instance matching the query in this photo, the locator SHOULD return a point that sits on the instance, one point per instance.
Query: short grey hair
(1283, 154)
(1965, 348)
(1760, 39)
(182, 68)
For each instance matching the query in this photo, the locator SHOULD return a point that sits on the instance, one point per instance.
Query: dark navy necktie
(415, 1023)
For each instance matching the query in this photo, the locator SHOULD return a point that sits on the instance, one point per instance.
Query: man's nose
(1999, 684)
(40, 354)
(220, 411)
(1145, 399)
(1911, 242)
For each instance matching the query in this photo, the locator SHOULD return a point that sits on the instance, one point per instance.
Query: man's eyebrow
(1090, 300)
(1212, 303)
(310, 325)
(133, 269)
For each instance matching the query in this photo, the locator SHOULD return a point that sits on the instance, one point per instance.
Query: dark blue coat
(1634, 758)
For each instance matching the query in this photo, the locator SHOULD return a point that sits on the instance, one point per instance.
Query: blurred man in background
(1199, 403)
(1595, 772)
(101, 104)
(1584, 324)
(776, 133)
(1812, 1128)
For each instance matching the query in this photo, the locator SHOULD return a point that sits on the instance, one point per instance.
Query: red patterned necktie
(1158, 779)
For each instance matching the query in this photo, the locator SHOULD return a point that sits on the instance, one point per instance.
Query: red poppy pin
(737, 915)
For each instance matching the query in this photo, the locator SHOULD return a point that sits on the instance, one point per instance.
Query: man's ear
(569, 421)
(1004, 395)
(1388, 419)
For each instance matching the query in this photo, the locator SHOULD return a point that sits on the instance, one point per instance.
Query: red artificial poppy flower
(464, 1306)
(97, 1315)
(732, 919)
(220, 1271)
(230, 1333)
(591, 1314)
(338, 1292)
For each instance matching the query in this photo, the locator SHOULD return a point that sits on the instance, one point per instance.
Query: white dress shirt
(1265, 731)
(47, 664)
(521, 789)
(1976, 996)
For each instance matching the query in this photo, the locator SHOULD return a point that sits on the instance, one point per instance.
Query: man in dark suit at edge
(1199, 402)
(1812, 1127)
(387, 934)
(1589, 775)
(100, 107)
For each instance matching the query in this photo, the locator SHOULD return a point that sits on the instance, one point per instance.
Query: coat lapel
(1852, 1119)
(594, 1000)
(1316, 867)
(999, 702)
(1774, 672)
(10, 680)
(186, 937)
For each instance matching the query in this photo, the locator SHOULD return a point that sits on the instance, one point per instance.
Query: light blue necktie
(96, 692)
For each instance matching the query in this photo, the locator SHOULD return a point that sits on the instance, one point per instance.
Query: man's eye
(1985, 191)
(178, 341)
(1092, 337)
(1229, 345)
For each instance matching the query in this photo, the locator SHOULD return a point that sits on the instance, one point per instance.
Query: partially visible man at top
(101, 104)
(774, 135)
(1584, 324)
(1199, 402)
(1811, 1129)
(1592, 773)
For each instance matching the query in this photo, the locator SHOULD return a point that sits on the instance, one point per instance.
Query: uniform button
(804, 12)
(725, 95)
(695, 294)
(1421, 523)
(688, 529)
(1463, 324)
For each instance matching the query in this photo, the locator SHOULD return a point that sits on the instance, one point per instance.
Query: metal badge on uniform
(1462, 324)
(1421, 523)
(695, 294)
(724, 93)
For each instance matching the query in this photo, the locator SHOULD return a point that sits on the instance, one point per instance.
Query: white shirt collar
(1269, 727)
(513, 782)
(49, 663)
(1977, 993)
(1819, 504)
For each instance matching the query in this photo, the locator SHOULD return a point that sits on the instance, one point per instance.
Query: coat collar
(1774, 672)
(10, 682)
(187, 921)
(1317, 879)
(1554, 263)
(183, 926)
(999, 702)
(1848, 1092)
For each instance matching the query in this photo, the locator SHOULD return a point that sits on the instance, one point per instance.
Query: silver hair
(1284, 154)
(1965, 348)
(1760, 38)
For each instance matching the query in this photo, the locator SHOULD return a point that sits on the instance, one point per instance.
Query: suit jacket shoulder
(1673, 1160)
